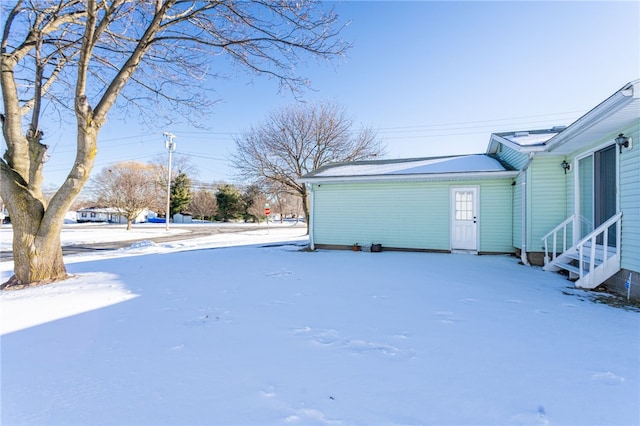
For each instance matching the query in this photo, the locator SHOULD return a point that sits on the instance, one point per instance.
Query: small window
(464, 205)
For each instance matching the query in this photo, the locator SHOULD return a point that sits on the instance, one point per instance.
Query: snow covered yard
(202, 333)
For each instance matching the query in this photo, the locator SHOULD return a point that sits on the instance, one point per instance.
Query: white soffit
(606, 120)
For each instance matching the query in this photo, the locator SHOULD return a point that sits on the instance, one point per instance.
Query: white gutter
(523, 227)
(312, 245)
(410, 177)
(610, 105)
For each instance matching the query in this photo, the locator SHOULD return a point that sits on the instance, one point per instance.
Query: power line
(208, 157)
(479, 128)
(482, 121)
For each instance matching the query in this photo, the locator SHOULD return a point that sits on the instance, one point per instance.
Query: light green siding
(547, 198)
(630, 201)
(584, 210)
(496, 219)
(517, 212)
(569, 205)
(413, 215)
(516, 159)
(394, 215)
(629, 195)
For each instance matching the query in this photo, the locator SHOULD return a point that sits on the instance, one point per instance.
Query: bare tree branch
(89, 57)
(128, 187)
(299, 139)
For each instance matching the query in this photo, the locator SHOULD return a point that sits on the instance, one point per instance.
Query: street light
(171, 146)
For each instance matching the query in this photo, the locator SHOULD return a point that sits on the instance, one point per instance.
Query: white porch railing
(596, 260)
(589, 245)
(560, 229)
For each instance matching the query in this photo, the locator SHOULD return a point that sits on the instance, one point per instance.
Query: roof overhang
(608, 119)
(498, 139)
(434, 177)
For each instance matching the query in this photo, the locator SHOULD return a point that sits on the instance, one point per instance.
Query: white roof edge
(614, 102)
(412, 177)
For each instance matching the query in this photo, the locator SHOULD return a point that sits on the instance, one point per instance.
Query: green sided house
(567, 198)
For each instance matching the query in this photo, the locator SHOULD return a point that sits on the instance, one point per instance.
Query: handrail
(592, 237)
(554, 232)
(600, 228)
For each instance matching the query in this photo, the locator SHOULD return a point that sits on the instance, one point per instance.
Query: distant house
(566, 197)
(109, 214)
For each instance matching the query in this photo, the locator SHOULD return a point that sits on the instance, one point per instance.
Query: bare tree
(283, 199)
(254, 200)
(203, 204)
(299, 139)
(87, 56)
(128, 187)
(179, 162)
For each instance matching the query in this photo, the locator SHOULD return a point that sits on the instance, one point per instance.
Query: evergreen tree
(251, 200)
(180, 193)
(230, 205)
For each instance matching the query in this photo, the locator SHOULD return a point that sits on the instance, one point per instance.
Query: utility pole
(171, 146)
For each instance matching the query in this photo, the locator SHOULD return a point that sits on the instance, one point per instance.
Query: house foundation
(617, 284)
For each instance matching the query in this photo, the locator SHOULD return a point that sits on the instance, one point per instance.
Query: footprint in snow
(365, 346)
(269, 392)
(379, 297)
(608, 378)
(323, 337)
(533, 418)
(208, 317)
(279, 274)
(306, 416)
(330, 337)
(280, 302)
(327, 337)
(446, 317)
(401, 335)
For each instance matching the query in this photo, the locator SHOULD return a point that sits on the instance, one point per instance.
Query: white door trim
(465, 218)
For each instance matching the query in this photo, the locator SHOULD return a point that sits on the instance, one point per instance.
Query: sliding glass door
(597, 198)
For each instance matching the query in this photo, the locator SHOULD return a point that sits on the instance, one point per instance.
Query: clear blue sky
(435, 78)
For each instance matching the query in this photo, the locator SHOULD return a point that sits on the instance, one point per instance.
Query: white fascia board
(600, 112)
(411, 178)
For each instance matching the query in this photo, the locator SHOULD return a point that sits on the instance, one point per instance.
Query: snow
(456, 164)
(463, 164)
(249, 329)
(530, 139)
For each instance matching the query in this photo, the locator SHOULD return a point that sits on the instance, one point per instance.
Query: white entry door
(464, 218)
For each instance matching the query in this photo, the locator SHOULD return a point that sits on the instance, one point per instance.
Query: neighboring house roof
(105, 210)
(476, 166)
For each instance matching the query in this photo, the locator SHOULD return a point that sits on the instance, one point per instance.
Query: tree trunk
(305, 207)
(37, 252)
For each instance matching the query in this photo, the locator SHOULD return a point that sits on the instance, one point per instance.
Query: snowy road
(87, 238)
